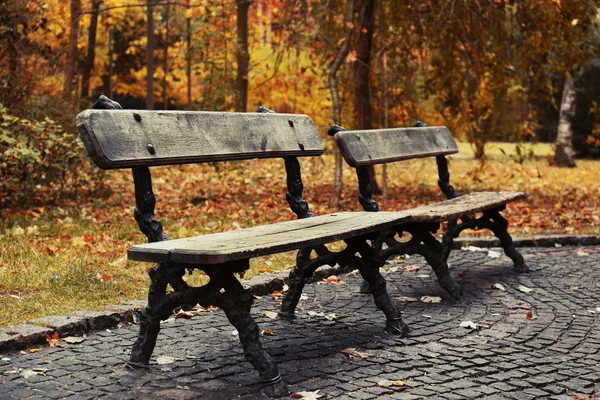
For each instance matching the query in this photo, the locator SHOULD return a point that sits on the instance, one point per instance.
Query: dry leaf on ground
(469, 325)
(161, 360)
(267, 332)
(73, 339)
(499, 286)
(494, 254)
(431, 299)
(270, 314)
(353, 353)
(524, 289)
(388, 383)
(307, 395)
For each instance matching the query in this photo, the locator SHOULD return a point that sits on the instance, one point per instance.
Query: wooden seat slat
(264, 240)
(379, 146)
(463, 205)
(129, 138)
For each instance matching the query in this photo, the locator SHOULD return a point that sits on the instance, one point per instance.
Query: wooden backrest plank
(379, 146)
(128, 138)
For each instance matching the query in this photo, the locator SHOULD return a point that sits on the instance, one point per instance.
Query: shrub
(38, 158)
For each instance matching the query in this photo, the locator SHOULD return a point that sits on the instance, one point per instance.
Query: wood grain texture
(463, 205)
(379, 146)
(263, 240)
(121, 138)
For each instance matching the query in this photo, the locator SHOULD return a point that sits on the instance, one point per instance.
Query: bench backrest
(378, 146)
(129, 138)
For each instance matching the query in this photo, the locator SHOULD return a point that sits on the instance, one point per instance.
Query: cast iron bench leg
(434, 255)
(368, 265)
(150, 317)
(499, 225)
(304, 269)
(237, 303)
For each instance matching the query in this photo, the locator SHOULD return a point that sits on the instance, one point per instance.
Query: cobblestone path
(539, 344)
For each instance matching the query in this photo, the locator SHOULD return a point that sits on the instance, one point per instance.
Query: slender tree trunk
(72, 49)
(386, 105)
(166, 61)
(362, 68)
(150, 56)
(243, 57)
(88, 64)
(110, 64)
(563, 157)
(188, 56)
(334, 199)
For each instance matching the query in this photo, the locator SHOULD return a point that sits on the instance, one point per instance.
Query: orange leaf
(529, 315)
(106, 278)
(88, 238)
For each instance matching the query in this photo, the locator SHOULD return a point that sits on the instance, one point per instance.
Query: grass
(70, 255)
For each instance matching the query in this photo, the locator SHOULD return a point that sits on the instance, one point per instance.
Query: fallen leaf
(311, 313)
(330, 317)
(14, 296)
(285, 288)
(425, 316)
(39, 370)
(270, 314)
(407, 299)
(267, 332)
(530, 315)
(388, 383)
(18, 231)
(582, 253)
(212, 309)
(73, 339)
(165, 360)
(78, 241)
(499, 286)
(186, 314)
(494, 254)
(303, 297)
(235, 332)
(410, 268)
(28, 373)
(388, 270)
(353, 273)
(524, 289)
(334, 280)
(353, 353)
(276, 294)
(474, 248)
(307, 395)
(557, 245)
(469, 325)
(106, 278)
(431, 299)
(52, 340)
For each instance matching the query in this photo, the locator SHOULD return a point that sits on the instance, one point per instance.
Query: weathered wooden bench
(369, 147)
(136, 139)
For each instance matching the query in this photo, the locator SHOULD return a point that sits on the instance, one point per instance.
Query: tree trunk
(166, 60)
(386, 100)
(150, 56)
(188, 56)
(243, 57)
(362, 68)
(72, 49)
(334, 199)
(88, 64)
(563, 157)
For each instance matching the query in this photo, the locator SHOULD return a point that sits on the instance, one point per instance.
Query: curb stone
(18, 337)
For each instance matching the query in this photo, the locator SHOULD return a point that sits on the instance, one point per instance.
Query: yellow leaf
(191, 12)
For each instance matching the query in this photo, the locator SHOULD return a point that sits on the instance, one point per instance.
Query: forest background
(503, 75)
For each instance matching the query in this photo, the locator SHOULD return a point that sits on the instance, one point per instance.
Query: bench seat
(467, 204)
(219, 248)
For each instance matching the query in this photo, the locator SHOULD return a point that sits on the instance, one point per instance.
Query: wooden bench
(136, 139)
(369, 147)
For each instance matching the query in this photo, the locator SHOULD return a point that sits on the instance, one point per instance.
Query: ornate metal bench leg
(150, 317)
(435, 257)
(295, 285)
(237, 304)
(368, 266)
(500, 228)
